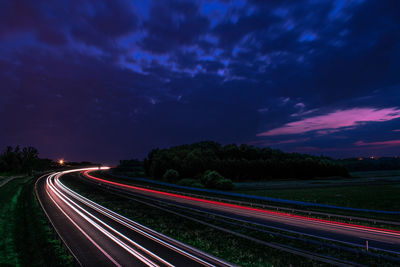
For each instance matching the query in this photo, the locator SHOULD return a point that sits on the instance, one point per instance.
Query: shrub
(171, 175)
(213, 179)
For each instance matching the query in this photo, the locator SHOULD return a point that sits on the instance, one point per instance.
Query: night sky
(109, 80)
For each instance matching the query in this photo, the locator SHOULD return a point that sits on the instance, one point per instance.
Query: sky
(110, 80)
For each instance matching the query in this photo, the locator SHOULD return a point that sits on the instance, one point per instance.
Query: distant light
(61, 162)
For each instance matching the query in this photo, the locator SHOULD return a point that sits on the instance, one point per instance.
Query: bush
(171, 176)
(190, 182)
(212, 179)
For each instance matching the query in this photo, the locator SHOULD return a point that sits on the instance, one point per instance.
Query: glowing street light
(61, 162)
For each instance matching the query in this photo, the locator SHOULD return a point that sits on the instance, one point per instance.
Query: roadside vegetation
(26, 238)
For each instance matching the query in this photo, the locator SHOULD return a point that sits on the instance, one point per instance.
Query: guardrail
(259, 205)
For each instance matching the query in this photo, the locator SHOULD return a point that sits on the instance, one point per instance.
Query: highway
(97, 236)
(357, 235)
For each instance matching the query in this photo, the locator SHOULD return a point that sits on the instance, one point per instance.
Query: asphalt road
(97, 236)
(378, 238)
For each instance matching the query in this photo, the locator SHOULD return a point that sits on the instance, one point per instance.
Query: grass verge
(26, 237)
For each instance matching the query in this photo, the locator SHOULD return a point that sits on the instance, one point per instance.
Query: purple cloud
(379, 144)
(337, 120)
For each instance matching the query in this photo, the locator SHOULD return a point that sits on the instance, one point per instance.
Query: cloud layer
(90, 80)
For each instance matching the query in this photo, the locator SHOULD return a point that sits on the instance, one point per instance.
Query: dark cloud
(100, 23)
(173, 24)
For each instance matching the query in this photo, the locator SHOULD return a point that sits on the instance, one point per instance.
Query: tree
(213, 179)
(20, 161)
(29, 157)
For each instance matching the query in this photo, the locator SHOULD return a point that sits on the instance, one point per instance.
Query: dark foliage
(371, 164)
(25, 160)
(238, 163)
(212, 179)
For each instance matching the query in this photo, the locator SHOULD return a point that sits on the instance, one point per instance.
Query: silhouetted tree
(20, 161)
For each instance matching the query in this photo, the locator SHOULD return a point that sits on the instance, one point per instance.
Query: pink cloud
(303, 113)
(267, 143)
(397, 130)
(337, 120)
(382, 143)
(290, 141)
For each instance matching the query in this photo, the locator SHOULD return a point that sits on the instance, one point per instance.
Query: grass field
(26, 238)
(366, 174)
(369, 190)
(382, 197)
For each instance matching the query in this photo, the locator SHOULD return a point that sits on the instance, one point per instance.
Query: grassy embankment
(230, 247)
(26, 239)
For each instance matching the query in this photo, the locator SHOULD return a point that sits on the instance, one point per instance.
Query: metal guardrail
(259, 205)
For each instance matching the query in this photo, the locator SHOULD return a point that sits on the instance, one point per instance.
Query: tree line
(25, 160)
(239, 163)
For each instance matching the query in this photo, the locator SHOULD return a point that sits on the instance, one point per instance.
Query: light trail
(69, 202)
(335, 224)
(130, 224)
(83, 232)
(61, 195)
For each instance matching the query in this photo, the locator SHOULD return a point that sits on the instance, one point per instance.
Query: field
(368, 190)
(381, 197)
(26, 238)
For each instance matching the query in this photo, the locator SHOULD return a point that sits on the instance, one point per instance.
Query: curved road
(97, 236)
(378, 238)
